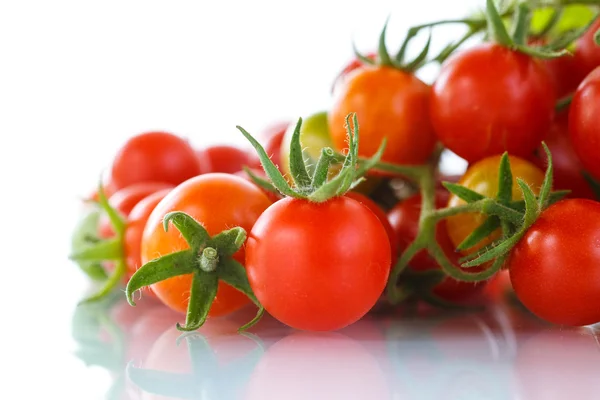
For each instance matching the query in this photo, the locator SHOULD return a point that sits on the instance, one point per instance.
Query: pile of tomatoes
(346, 211)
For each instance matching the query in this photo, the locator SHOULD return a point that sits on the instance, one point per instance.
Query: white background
(79, 77)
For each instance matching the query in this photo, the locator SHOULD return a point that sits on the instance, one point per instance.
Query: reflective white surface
(500, 353)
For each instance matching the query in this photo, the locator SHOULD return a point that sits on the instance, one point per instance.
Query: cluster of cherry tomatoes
(346, 210)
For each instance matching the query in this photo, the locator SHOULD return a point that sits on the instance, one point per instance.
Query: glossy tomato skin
(154, 157)
(404, 219)
(584, 122)
(482, 177)
(354, 64)
(587, 52)
(381, 215)
(391, 104)
(219, 202)
(125, 200)
(136, 222)
(318, 266)
(555, 268)
(568, 169)
(224, 158)
(489, 99)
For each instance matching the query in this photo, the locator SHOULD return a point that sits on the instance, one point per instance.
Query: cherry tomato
(391, 104)
(271, 139)
(107, 186)
(125, 199)
(351, 66)
(219, 201)
(261, 174)
(224, 158)
(587, 52)
(371, 205)
(555, 267)
(154, 157)
(568, 170)
(584, 122)
(336, 256)
(490, 99)
(404, 219)
(482, 177)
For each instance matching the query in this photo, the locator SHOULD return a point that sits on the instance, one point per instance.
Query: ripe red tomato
(391, 104)
(371, 205)
(587, 52)
(219, 202)
(154, 157)
(404, 219)
(271, 139)
(584, 122)
(489, 99)
(555, 268)
(125, 199)
(336, 256)
(568, 170)
(224, 158)
(354, 64)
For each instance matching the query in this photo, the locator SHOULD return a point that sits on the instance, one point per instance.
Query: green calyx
(89, 251)
(208, 260)
(315, 186)
(514, 218)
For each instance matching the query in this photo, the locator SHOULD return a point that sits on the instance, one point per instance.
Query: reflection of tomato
(224, 158)
(482, 177)
(584, 120)
(558, 364)
(389, 104)
(404, 219)
(154, 157)
(568, 170)
(489, 99)
(555, 267)
(371, 205)
(323, 366)
(219, 202)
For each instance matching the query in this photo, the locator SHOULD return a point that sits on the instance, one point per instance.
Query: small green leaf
(165, 267)
(234, 274)
(331, 188)
(594, 184)
(230, 241)
(455, 272)
(104, 250)
(297, 165)
(541, 53)
(548, 179)
(364, 59)
(365, 166)
(113, 280)
(505, 180)
(418, 61)
(401, 55)
(569, 37)
(556, 196)
(191, 230)
(270, 169)
(462, 192)
(116, 220)
(563, 103)
(496, 26)
(522, 18)
(597, 37)
(261, 183)
(482, 232)
(384, 56)
(202, 294)
(322, 168)
(532, 208)
(84, 237)
(94, 271)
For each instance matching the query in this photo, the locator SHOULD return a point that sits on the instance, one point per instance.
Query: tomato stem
(209, 259)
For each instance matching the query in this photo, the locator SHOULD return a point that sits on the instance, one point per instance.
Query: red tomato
(584, 122)
(125, 199)
(154, 157)
(555, 268)
(224, 158)
(317, 366)
(271, 139)
(391, 104)
(371, 205)
(404, 219)
(587, 52)
(219, 202)
(568, 170)
(489, 99)
(261, 174)
(336, 256)
(562, 70)
(351, 66)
